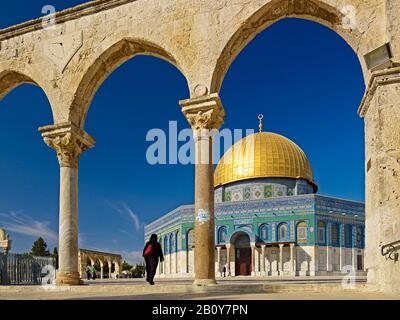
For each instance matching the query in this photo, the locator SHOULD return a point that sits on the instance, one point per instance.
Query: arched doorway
(242, 255)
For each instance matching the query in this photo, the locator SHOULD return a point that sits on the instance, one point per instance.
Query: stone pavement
(182, 289)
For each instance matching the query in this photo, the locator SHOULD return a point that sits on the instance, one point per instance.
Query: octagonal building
(269, 219)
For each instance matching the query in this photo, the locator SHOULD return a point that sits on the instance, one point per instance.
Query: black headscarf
(153, 239)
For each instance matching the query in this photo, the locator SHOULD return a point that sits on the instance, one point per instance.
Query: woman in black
(152, 259)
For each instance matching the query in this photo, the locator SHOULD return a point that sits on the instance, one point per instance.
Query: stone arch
(11, 79)
(190, 239)
(264, 233)
(102, 66)
(301, 231)
(237, 233)
(222, 234)
(275, 10)
(283, 232)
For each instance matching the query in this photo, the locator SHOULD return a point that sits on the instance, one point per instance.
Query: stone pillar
(82, 265)
(341, 248)
(263, 270)
(253, 260)
(292, 260)
(69, 142)
(353, 248)
(228, 260)
(118, 268)
(101, 269)
(204, 114)
(314, 261)
(218, 263)
(280, 267)
(109, 263)
(329, 265)
(380, 109)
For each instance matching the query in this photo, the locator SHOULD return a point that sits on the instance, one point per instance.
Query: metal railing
(20, 269)
(390, 251)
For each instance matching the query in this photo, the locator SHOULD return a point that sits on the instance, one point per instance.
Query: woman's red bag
(148, 251)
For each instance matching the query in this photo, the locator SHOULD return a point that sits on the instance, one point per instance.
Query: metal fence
(20, 269)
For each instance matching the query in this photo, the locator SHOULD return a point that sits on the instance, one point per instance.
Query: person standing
(88, 272)
(152, 253)
(93, 272)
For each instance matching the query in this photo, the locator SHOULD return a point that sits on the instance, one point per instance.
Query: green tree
(125, 266)
(138, 270)
(39, 248)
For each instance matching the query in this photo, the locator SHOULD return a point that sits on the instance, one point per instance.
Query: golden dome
(273, 156)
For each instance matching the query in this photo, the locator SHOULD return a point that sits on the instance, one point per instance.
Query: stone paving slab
(136, 289)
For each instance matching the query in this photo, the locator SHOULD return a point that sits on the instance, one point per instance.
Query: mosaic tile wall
(262, 189)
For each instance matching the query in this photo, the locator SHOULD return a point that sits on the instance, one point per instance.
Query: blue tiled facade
(314, 213)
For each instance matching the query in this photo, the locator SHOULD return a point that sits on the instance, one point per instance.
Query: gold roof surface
(273, 156)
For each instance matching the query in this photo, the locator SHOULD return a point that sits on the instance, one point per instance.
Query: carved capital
(68, 141)
(204, 112)
(378, 78)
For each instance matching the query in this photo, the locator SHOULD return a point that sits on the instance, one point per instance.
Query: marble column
(253, 259)
(117, 268)
(69, 142)
(204, 115)
(263, 270)
(101, 269)
(109, 263)
(280, 268)
(82, 265)
(292, 259)
(329, 264)
(341, 248)
(228, 260)
(314, 261)
(218, 263)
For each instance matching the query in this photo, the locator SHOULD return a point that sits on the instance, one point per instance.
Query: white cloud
(126, 211)
(132, 257)
(24, 224)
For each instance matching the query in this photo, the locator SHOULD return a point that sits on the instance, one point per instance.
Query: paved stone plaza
(279, 288)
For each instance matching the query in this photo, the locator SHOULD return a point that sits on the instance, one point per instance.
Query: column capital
(205, 112)
(378, 78)
(291, 245)
(68, 140)
(280, 245)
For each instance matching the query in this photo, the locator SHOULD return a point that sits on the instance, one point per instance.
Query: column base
(275, 273)
(204, 282)
(68, 279)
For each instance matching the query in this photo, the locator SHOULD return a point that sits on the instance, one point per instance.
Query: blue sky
(302, 76)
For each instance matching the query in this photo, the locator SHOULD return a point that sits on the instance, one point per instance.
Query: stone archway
(242, 254)
(203, 38)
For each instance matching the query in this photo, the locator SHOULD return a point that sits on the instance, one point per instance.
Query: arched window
(190, 239)
(335, 234)
(321, 228)
(172, 243)
(165, 245)
(263, 232)
(283, 232)
(359, 237)
(222, 232)
(347, 235)
(177, 241)
(302, 232)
